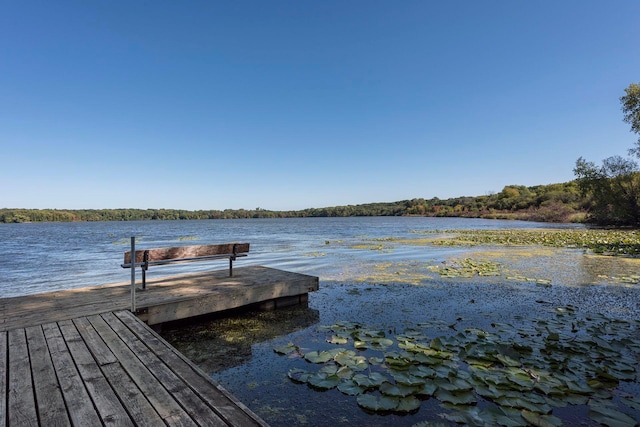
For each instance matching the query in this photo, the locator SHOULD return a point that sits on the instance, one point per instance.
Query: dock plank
(161, 400)
(79, 404)
(197, 409)
(21, 400)
(51, 406)
(3, 378)
(106, 402)
(137, 406)
(224, 402)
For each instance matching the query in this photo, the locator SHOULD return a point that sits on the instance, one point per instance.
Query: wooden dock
(107, 369)
(80, 357)
(165, 299)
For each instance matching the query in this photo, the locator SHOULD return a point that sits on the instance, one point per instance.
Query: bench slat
(187, 252)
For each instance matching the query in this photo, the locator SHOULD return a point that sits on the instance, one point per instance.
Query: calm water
(42, 257)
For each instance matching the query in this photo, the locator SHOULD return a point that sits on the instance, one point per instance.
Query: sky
(287, 105)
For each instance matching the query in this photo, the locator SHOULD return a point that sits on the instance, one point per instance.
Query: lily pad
(396, 390)
(322, 381)
(323, 356)
(610, 417)
(286, 349)
(540, 420)
(374, 380)
(338, 340)
(462, 398)
(407, 404)
(377, 403)
(350, 388)
(299, 375)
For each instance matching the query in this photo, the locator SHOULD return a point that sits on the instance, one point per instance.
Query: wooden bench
(182, 254)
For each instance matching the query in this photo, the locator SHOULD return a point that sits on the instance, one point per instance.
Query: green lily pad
(406, 378)
(350, 359)
(521, 402)
(338, 340)
(396, 390)
(322, 381)
(374, 380)
(541, 420)
(407, 404)
(462, 398)
(299, 375)
(496, 415)
(377, 403)
(286, 349)
(422, 371)
(610, 417)
(323, 356)
(345, 372)
(350, 388)
(427, 390)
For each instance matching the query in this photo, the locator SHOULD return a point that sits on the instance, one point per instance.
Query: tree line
(555, 202)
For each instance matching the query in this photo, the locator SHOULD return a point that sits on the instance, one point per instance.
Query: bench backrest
(179, 252)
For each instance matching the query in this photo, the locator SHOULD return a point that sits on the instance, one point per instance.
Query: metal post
(133, 274)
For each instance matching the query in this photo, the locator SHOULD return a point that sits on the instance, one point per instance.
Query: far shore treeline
(548, 203)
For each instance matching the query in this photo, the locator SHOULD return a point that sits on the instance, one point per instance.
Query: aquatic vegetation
(372, 247)
(632, 279)
(387, 272)
(468, 268)
(521, 373)
(606, 242)
(186, 238)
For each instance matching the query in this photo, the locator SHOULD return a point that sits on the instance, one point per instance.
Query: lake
(376, 277)
(42, 257)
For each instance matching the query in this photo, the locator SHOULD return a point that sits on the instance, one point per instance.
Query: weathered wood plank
(21, 403)
(104, 398)
(101, 353)
(225, 404)
(161, 400)
(79, 404)
(51, 407)
(3, 378)
(157, 254)
(137, 406)
(192, 404)
(225, 298)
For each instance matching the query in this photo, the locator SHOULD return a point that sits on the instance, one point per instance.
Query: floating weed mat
(372, 247)
(414, 272)
(606, 242)
(508, 375)
(417, 273)
(467, 267)
(632, 279)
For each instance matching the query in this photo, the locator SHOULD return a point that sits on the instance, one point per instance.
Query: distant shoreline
(561, 203)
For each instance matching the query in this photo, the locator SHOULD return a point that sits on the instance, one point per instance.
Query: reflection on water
(223, 341)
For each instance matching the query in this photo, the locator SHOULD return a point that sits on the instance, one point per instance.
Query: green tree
(631, 109)
(614, 189)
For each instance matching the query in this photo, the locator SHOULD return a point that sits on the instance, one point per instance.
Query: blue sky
(296, 104)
